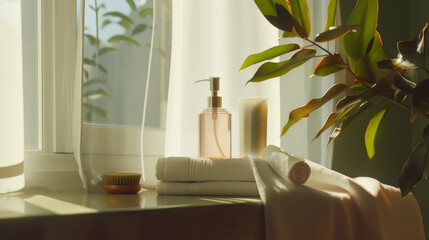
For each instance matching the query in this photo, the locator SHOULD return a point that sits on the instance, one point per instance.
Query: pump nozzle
(213, 101)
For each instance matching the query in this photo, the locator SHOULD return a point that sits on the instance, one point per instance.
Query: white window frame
(55, 152)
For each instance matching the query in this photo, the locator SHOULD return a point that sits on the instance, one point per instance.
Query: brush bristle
(122, 178)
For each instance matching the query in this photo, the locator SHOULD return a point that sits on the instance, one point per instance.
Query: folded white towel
(191, 169)
(330, 205)
(248, 189)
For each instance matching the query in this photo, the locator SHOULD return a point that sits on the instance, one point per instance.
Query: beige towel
(332, 206)
(199, 169)
(208, 188)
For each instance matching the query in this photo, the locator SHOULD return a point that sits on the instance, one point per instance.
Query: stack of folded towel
(229, 177)
(196, 176)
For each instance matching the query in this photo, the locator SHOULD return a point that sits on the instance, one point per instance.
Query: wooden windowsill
(42, 214)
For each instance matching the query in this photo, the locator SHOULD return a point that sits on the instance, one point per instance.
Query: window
(115, 75)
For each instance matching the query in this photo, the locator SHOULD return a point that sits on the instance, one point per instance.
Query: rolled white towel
(284, 164)
(248, 189)
(198, 169)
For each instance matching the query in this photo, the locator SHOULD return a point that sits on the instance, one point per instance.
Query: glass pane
(116, 49)
(30, 49)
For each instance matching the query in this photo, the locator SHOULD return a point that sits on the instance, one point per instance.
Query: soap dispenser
(215, 126)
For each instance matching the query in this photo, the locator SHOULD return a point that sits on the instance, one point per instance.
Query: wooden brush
(122, 183)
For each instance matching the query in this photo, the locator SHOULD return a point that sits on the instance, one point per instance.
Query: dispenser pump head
(214, 101)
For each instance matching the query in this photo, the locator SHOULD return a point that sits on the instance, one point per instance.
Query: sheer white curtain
(213, 38)
(297, 88)
(11, 98)
(120, 88)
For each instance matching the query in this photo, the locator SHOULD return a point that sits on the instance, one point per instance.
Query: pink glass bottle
(215, 126)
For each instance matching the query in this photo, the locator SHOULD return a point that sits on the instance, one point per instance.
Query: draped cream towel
(330, 205)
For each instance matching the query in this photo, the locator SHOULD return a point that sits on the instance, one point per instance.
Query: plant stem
(330, 54)
(316, 44)
(308, 46)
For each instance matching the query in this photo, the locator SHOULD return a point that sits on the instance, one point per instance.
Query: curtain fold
(298, 88)
(77, 95)
(213, 38)
(11, 98)
(119, 95)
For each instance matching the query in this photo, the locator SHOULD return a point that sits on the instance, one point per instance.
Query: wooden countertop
(42, 214)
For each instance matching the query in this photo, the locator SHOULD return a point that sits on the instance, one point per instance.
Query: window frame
(57, 49)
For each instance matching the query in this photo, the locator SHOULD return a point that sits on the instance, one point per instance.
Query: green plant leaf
(120, 15)
(282, 20)
(92, 40)
(125, 38)
(94, 64)
(381, 87)
(415, 167)
(423, 42)
(408, 51)
(334, 135)
(96, 94)
(402, 63)
(92, 82)
(361, 109)
(364, 15)
(402, 83)
(268, 7)
(366, 68)
(304, 111)
(371, 131)
(289, 34)
(105, 50)
(420, 100)
(269, 54)
(332, 11)
(125, 24)
(95, 109)
(105, 23)
(328, 65)
(400, 96)
(386, 64)
(334, 33)
(301, 15)
(138, 29)
(86, 73)
(333, 118)
(132, 4)
(146, 11)
(271, 70)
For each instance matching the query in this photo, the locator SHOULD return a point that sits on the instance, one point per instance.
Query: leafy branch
(376, 77)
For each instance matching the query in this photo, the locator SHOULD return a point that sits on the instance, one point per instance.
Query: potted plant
(378, 81)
